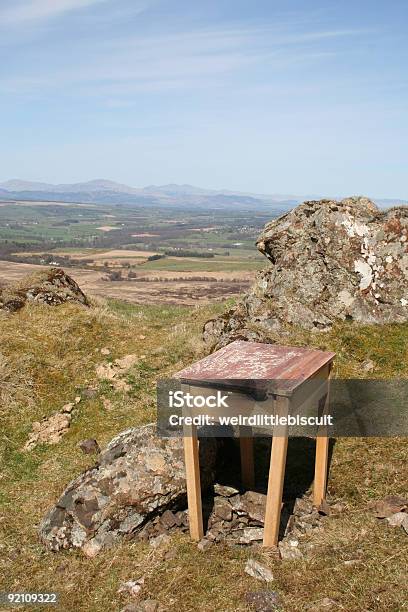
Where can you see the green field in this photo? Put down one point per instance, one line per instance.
(228, 237)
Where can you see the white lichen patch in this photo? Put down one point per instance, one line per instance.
(364, 268)
(355, 228)
(345, 297)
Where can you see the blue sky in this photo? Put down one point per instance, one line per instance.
(264, 96)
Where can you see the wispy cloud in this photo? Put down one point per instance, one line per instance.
(24, 11)
(198, 58)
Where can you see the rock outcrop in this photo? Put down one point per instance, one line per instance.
(329, 261)
(51, 286)
(138, 477)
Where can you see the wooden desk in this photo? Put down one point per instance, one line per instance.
(268, 370)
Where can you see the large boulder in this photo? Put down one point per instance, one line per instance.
(51, 286)
(138, 477)
(329, 261)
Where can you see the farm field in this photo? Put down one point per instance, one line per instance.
(141, 255)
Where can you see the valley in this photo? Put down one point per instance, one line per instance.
(138, 254)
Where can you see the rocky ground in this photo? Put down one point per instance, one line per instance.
(116, 536)
(137, 490)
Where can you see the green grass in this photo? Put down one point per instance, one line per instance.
(49, 356)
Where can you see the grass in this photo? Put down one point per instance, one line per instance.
(48, 356)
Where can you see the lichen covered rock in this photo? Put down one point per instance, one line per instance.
(139, 476)
(51, 286)
(329, 261)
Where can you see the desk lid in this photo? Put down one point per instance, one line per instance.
(253, 364)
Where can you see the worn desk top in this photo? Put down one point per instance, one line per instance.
(251, 365)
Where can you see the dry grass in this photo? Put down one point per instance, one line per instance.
(48, 355)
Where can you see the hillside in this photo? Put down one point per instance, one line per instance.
(48, 357)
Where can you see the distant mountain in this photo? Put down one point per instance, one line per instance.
(172, 189)
(105, 191)
(89, 186)
(17, 185)
(172, 194)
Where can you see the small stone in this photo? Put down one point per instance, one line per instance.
(131, 587)
(159, 540)
(290, 525)
(397, 519)
(367, 365)
(92, 548)
(105, 351)
(303, 505)
(222, 508)
(68, 408)
(258, 571)
(338, 508)
(182, 518)
(77, 399)
(251, 503)
(404, 524)
(252, 534)
(324, 508)
(168, 519)
(263, 601)
(224, 490)
(89, 446)
(289, 551)
(141, 337)
(204, 545)
(391, 504)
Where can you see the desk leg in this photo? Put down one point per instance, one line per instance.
(276, 479)
(195, 513)
(246, 445)
(322, 458)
